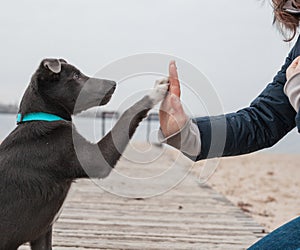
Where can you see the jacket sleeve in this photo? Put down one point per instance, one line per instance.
(298, 121)
(292, 90)
(269, 118)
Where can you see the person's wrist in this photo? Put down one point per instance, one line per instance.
(169, 131)
(176, 126)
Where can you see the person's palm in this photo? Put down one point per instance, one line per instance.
(171, 115)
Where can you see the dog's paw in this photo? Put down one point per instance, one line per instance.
(159, 91)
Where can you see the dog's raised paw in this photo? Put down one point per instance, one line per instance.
(159, 91)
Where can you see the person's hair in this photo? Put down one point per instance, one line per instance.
(286, 22)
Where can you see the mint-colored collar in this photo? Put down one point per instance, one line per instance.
(40, 116)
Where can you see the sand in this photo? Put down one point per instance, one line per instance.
(266, 186)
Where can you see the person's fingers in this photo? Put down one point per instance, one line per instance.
(295, 63)
(293, 68)
(174, 81)
(297, 59)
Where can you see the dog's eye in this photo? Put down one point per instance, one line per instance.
(76, 76)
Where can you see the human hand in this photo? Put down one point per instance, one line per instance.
(293, 69)
(171, 114)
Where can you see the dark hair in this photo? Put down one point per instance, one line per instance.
(286, 22)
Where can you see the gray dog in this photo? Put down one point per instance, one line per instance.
(38, 161)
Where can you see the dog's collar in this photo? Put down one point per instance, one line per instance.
(40, 116)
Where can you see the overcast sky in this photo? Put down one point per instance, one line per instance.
(232, 42)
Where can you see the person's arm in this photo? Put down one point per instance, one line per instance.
(292, 88)
(269, 117)
(261, 125)
(177, 129)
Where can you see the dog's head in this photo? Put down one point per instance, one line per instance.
(59, 84)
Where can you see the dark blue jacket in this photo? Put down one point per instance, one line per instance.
(269, 118)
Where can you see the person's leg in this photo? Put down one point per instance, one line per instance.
(286, 237)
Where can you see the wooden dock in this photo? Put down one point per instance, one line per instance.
(189, 216)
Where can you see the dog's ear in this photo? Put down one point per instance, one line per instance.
(52, 64)
(62, 60)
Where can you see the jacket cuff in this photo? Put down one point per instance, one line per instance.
(187, 140)
(292, 91)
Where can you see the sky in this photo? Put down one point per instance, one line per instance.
(232, 43)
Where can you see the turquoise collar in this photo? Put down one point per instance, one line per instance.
(40, 116)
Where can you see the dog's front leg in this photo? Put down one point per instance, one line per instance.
(44, 242)
(98, 160)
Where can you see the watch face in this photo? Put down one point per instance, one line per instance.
(291, 7)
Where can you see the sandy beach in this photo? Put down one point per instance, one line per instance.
(264, 185)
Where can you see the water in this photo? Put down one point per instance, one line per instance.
(92, 130)
(7, 124)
